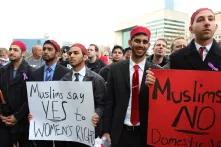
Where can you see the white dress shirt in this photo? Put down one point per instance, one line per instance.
(82, 74)
(131, 70)
(205, 52)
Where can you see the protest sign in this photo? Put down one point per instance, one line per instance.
(185, 109)
(61, 110)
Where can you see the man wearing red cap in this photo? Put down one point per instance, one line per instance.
(51, 71)
(125, 114)
(14, 124)
(203, 48)
(203, 52)
(77, 57)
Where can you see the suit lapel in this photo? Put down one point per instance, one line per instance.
(213, 55)
(19, 74)
(143, 86)
(192, 57)
(56, 72)
(126, 73)
(88, 76)
(41, 74)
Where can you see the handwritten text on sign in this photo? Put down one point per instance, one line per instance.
(61, 110)
(185, 109)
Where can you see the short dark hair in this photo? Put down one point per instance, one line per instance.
(117, 47)
(65, 49)
(127, 49)
(95, 46)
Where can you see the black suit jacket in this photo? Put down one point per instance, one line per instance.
(15, 93)
(189, 58)
(98, 85)
(60, 71)
(117, 100)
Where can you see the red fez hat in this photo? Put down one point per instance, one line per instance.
(197, 12)
(140, 30)
(54, 43)
(20, 44)
(82, 47)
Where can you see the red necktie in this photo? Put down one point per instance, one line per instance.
(201, 50)
(135, 95)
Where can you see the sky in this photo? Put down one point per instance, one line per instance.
(83, 21)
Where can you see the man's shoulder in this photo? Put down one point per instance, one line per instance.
(91, 73)
(62, 68)
(120, 63)
(179, 53)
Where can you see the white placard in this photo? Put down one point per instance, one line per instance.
(61, 110)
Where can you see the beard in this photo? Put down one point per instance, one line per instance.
(77, 63)
(47, 58)
(15, 59)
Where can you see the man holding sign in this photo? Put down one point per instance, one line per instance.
(125, 116)
(51, 71)
(77, 56)
(203, 53)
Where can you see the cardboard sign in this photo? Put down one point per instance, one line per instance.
(185, 109)
(61, 110)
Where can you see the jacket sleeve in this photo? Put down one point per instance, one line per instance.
(99, 92)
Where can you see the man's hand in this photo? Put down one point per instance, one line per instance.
(9, 120)
(29, 117)
(107, 136)
(95, 119)
(150, 78)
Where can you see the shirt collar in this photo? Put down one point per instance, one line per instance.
(208, 46)
(52, 66)
(82, 72)
(141, 64)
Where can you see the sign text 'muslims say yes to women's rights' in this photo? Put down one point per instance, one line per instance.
(61, 110)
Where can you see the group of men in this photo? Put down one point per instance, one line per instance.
(121, 102)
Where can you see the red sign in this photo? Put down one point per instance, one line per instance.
(185, 109)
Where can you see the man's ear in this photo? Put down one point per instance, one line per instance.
(130, 42)
(85, 57)
(23, 53)
(190, 29)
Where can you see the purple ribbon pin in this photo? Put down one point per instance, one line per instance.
(25, 77)
(212, 66)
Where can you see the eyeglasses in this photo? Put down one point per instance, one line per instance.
(138, 41)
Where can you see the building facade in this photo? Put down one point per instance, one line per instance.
(165, 23)
(217, 34)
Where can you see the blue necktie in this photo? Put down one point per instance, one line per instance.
(48, 76)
